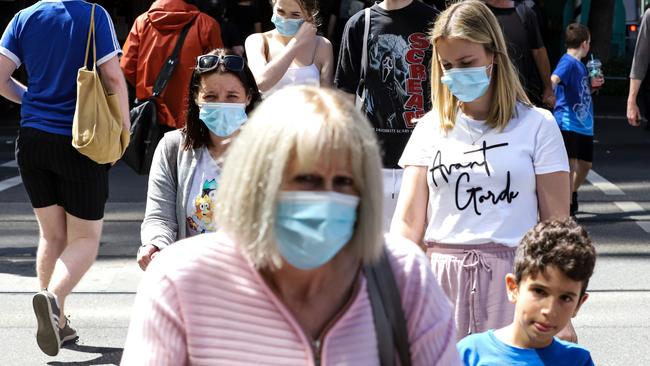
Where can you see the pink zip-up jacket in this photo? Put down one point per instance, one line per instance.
(201, 302)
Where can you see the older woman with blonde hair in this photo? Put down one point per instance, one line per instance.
(480, 169)
(286, 279)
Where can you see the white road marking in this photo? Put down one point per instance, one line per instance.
(611, 189)
(10, 164)
(630, 206)
(603, 184)
(11, 182)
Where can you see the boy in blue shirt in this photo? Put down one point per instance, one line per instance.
(574, 109)
(552, 268)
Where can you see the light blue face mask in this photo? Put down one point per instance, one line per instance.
(467, 84)
(286, 27)
(223, 119)
(312, 227)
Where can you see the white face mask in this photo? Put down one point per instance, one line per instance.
(467, 84)
(223, 119)
(312, 227)
(285, 26)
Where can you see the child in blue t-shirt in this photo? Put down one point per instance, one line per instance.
(552, 268)
(574, 109)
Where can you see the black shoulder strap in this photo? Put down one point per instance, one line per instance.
(383, 331)
(170, 65)
(390, 322)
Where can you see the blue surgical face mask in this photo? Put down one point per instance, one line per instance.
(223, 119)
(312, 227)
(467, 84)
(286, 27)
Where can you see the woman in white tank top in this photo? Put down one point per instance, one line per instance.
(292, 53)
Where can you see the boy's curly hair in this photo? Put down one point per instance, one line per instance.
(560, 243)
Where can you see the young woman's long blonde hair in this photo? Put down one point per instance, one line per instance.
(474, 22)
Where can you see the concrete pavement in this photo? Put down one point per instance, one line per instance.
(100, 306)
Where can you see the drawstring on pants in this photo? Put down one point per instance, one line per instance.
(477, 262)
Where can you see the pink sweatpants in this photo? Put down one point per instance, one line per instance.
(473, 276)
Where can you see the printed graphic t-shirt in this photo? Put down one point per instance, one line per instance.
(574, 109)
(486, 349)
(485, 191)
(202, 198)
(397, 74)
(50, 37)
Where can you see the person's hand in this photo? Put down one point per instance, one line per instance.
(146, 254)
(597, 82)
(633, 114)
(306, 34)
(568, 334)
(548, 97)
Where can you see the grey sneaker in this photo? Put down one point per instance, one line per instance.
(67, 334)
(47, 316)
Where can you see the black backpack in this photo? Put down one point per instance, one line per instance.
(145, 130)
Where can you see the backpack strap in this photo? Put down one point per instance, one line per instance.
(390, 322)
(364, 49)
(361, 94)
(170, 65)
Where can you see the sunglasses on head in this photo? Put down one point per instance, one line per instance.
(206, 63)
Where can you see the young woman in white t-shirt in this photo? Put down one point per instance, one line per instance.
(480, 169)
(292, 53)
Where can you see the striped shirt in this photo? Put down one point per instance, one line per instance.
(201, 302)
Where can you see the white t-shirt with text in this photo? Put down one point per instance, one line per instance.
(481, 182)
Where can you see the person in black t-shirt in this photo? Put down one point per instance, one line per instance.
(526, 49)
(396, 81)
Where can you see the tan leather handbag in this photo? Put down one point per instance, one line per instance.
(97, 130)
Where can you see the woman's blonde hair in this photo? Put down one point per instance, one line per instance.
(302, 125)
(474, 22)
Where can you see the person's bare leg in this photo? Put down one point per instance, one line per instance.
(581, 171)
(79, 254)
(51, 241)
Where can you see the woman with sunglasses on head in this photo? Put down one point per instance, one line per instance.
(480, 169)
(187, 162)
(292, 53)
